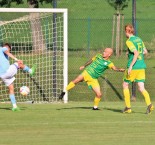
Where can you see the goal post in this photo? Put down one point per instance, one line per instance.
(37, 39)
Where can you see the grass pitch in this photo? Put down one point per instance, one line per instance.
(76, 124)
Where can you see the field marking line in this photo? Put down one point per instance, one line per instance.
(103, 122)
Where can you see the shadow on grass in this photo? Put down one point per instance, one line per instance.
(101, 109)
(5, 108)
(90, 108)
(120, 111)
(8, 108)
(114, 110)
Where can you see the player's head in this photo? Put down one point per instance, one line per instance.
(129, 30)
(7, 45)
(107, 53)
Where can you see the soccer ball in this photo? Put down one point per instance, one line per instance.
(24, 90)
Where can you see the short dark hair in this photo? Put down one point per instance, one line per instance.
(7, 44)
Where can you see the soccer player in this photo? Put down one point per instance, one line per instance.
(93, 69)
(135, 69)
(7, 71)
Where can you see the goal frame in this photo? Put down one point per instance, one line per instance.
(65, 35)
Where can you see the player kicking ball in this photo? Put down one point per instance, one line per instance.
(7, 72)
(93, 69)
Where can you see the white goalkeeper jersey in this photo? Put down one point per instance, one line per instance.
(4, 62)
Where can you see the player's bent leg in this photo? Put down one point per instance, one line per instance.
(26, 69)
(72, 85)
(62, 95)
(11, 72)
(33, 70)
(7, 82)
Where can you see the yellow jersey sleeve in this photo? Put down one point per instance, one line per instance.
(143, 45)
(110, 65)
(131, 46)
(93, 58)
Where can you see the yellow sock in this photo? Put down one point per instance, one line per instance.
(147, 97)
(96, 102)
(70, 86)
(127, 98)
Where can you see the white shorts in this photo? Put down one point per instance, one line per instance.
(8, 78)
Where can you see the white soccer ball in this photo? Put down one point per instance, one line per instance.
(24, 90)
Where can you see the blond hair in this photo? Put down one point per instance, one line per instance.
(129, 28)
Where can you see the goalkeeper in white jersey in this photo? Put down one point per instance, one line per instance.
(7, 71)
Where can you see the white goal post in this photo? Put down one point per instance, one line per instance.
(38, 37)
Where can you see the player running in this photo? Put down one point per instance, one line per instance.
(7, 71)
(93, 69)
(135, 69)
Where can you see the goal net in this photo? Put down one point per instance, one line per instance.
(38, 37)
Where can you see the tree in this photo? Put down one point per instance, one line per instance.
(7, 3)
(119, 6)
(35, 3)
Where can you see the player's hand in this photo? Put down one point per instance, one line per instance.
(121, 69)
(82, 67)
(129, 70)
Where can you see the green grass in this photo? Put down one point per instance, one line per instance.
(76, 123)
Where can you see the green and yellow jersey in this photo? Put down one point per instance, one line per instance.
(135, 43)
(98, 66)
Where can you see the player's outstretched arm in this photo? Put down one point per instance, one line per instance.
(86, 64)
(12, 56)
(82, 67)
(118, 69)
